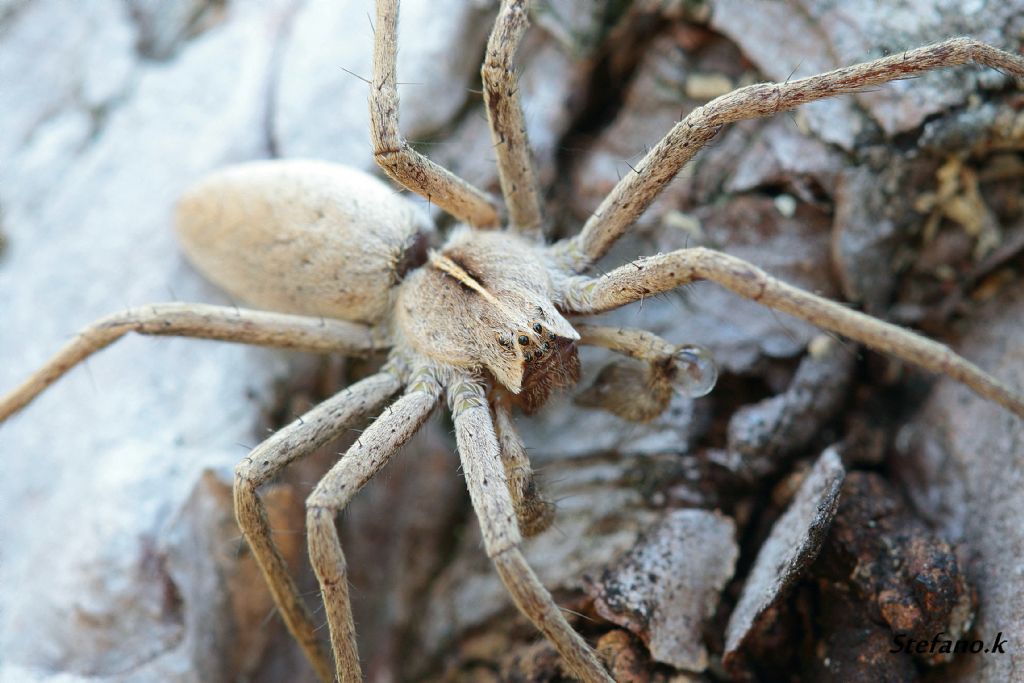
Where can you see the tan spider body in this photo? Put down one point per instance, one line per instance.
(303, 237)
(318, 239)
(483, 320)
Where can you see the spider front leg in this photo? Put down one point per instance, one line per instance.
(505, 117)
(663, 272)
(319, 426)
(634, 193)
(201, 321)
(364, 459)
(394, 154)
(480, 455)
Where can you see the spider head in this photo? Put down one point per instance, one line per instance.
(537, 358)
(484, 303)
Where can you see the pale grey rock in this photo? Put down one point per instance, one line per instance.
(97, 466)
(549, 76)
(320, 97)
(576, 25)
(162, 25)
(51, 68)
(98, 139)
(14, 673)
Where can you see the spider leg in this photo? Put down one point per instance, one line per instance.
(316, 428)
(639, 344)
(364, 459)
(394, 154)
(480, 454)
(635, 192)
(663, 272)
(505, 116)
(534, 513)
(202, 321)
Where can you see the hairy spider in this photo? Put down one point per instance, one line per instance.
(483, 320)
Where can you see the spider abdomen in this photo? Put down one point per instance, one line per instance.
(304, 237)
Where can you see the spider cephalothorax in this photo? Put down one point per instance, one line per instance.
(483, 321)
(490, 296)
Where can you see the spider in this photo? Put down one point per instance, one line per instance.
(483, 320)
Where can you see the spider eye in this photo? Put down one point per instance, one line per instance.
(537, 328)
(505, 340)
(524, 340)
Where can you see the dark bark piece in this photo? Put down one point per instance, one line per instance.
(903, 574)
(627, 662)
(854, 649)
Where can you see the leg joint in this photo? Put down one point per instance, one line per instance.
(385, 151)
(500, 554)
(319, 506)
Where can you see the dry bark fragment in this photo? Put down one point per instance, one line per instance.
(794, 38)
(792, 545)
(668, 585)
(765, 432)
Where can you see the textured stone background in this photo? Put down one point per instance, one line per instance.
(119, 559)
